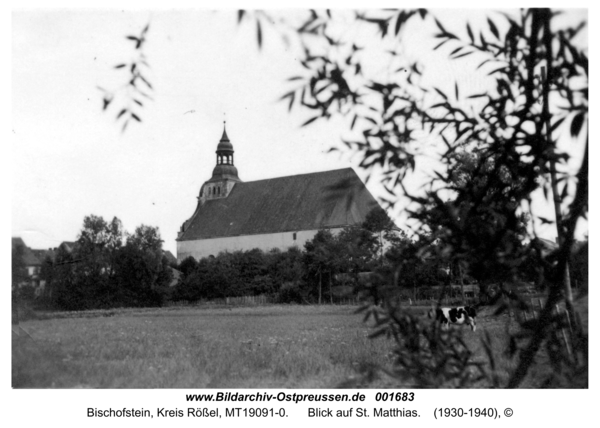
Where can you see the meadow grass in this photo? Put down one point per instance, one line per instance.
(243, 347)
(272, 346)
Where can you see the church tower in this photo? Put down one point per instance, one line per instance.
(224, 175)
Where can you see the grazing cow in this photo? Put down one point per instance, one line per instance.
(456, 315)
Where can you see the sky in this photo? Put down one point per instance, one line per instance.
(71, 159)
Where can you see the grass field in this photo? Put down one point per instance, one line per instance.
(273, 346)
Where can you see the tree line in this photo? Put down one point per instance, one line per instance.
(106, 267)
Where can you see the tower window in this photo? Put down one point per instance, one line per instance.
(218, 191)
(294, 234)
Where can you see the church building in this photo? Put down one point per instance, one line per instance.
(272, 213)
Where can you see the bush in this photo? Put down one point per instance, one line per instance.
(290, 292)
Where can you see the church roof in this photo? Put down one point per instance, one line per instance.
(298, 202)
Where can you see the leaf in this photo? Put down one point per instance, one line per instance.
(353, 122)
(136, 117)
(463, 54)
(441, 93)
(441, 44)
(310, 120)
(380, 332)
(565, 192)
(241, 14)
(121, 113)
(456, 50)
(483, 42)
(493, 28)
(577, 124)
(370, 120)
(497, 70)
(442, 29)
(483, 63)
(456, 90)
(287, 95)
(557, 123)
(145, 81)
(399, 21)
(470, 32)
(259, 33)
(120, 65)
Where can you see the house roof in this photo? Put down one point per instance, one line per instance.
(170, 257)
(68, 246)
(30, 257)
(299, 202)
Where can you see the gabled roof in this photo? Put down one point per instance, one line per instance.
(170, 257)
(30, 257)
(68, 246)
(298, 202)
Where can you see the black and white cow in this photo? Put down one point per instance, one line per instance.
(455, 315)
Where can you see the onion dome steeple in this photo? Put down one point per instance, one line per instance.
(224, 168)
(224, 175)
(224, 144)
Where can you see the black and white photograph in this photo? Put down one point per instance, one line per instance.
(299, 199)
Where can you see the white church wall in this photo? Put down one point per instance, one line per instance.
(207, 247)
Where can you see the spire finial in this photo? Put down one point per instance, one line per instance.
(224, 137)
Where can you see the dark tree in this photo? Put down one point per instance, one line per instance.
(474, 216)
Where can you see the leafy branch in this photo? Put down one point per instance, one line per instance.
(471, 216)
(137, 88)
